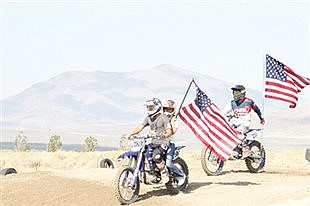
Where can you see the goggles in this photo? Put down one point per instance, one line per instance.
(150, 107)
(238, 92)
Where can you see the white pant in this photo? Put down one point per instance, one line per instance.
(239, 124)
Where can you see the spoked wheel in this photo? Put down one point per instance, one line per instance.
(172, 186)
(125, 188)
(255, 162)
(211, 164)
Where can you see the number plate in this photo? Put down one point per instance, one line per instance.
(254, 134)
(136, 145)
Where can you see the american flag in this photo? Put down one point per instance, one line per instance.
(208, 124)
(282, 83)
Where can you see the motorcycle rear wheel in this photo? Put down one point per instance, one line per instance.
(211, 164)
(124, 191)
(256, 161)
(172, 186)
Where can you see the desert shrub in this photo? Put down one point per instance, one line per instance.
(21, 144)
(91, 144)
(35, 164)
(54, 144)
(124, 143)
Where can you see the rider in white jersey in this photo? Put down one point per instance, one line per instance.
(240, 110)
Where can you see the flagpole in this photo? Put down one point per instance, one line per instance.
(263, 95)
(189, 86)
(264, 78)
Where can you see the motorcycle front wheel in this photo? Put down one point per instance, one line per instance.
(126, 189)
(255, 162)
(211, 164)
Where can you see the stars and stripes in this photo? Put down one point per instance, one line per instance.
(282, 83)
(208, 124)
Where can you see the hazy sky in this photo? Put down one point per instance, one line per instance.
(41, 39)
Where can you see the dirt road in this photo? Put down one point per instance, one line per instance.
(285, 181)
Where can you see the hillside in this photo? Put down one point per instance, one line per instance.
(106, 105)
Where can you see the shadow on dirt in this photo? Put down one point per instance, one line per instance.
(157, 191)
(192, 186)
(239, 183)
(239, 171)
(289, 172)
(162, 191)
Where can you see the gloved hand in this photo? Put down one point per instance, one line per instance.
(262, 121)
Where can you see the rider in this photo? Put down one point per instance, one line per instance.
(159, 127)
(240, 110)
(169, 111)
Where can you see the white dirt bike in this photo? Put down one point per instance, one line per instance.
(250, 150)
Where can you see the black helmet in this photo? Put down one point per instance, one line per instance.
(238, 87)
(238, 92)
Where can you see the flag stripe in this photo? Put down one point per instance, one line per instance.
(280, 93)
(293, 103)
(197, 130)
(213, 134)
(224, 123)
(222, 126)
(287, 86)
(210, 127)
(219, 135)
(282, 83)
(300, 81)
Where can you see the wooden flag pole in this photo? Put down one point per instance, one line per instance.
(189, 86)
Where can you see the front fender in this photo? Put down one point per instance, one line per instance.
(129, 154)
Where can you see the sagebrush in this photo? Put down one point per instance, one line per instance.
(54, 144)
(21, 144)
(91, 144)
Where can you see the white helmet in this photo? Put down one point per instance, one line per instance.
(153, 106)
(169, 107)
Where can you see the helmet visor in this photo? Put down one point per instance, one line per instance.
(150, 107)
(237, 92)
(238, 95)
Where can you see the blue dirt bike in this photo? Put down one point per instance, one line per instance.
(129, 177)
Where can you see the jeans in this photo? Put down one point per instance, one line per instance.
(169, 163)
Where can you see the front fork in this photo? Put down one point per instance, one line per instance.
(139, 166)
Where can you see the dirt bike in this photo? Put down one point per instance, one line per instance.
(128, 178)
(250, 149)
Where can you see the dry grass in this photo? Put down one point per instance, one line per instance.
(61, 160)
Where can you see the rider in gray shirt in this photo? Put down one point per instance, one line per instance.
(159, 128)
(156, 120)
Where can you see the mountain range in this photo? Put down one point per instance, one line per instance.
(76, 97)
(81, 101)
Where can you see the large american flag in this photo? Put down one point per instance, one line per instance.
(282, 83)
(208, 124)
